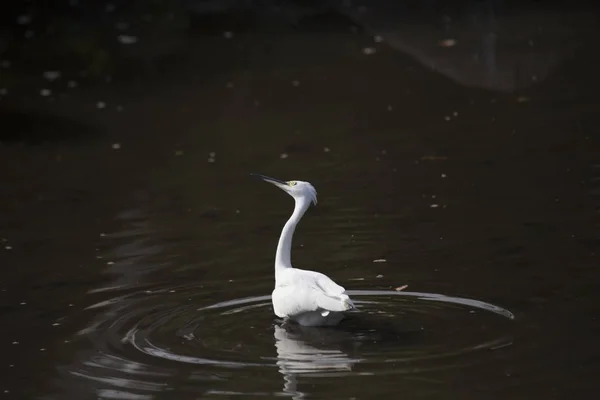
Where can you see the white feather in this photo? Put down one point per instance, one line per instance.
(308, 297)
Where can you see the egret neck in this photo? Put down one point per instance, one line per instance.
(284, 247)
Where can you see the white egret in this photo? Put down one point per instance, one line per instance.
(310, 298)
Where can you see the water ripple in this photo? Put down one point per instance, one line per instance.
(151, 337)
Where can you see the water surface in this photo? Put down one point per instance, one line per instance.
(137, 251)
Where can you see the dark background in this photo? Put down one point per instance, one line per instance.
(458, 141)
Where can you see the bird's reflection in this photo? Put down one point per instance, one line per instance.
(309, 351)
(313, 352)
(333, 351)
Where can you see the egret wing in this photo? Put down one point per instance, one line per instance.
(293, 300)
(331, 296)
(334, 291)
(303, 291)
(331, 303)
(328, 286)
(290, 300)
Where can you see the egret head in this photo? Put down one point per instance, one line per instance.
(299, 190)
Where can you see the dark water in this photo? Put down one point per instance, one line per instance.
(137, 251)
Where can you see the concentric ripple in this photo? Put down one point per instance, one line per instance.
(143, 338)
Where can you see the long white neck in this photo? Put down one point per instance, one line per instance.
(284, 247)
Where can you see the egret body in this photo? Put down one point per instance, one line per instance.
(307, 297)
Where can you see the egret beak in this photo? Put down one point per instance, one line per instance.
(279, 183)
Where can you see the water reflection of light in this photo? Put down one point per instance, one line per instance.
(298, 356)
(129, 253)
(113, 377)
(130, 259)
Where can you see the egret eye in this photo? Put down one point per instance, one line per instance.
(292, 183)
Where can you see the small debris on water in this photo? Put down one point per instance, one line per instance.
(326, 149)
(447, 43)
(101, 105)
(24, 19)
(434, 205)
(380, 260)
(378, 39)
(379, 276)
(400, 288)
(444, 175)
(369, 50)
(127, 39)
(356, 279)
(283, 156)
(51, 75)
(116, 146)
(45, 92)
